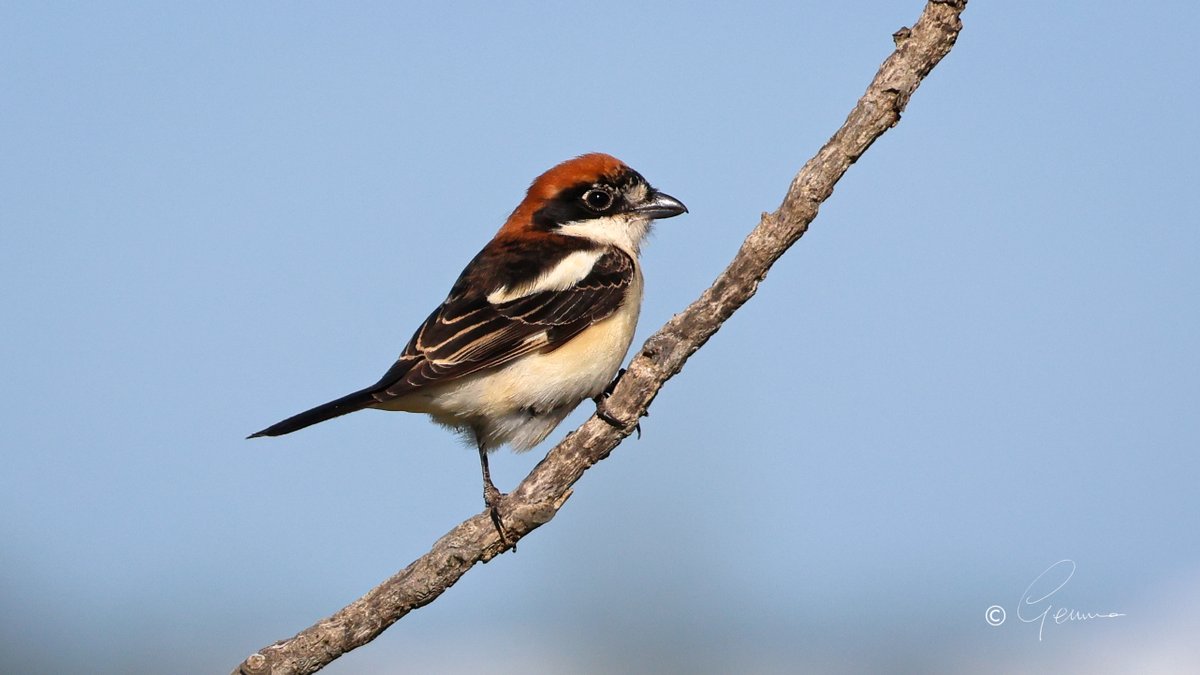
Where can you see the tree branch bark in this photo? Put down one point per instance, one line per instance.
(543, 492)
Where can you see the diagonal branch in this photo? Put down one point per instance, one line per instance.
(538, 498)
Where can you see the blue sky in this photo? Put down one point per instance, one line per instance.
(980, 361)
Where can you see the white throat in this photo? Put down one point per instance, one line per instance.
(625, 231)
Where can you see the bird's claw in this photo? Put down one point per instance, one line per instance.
(603, 414)
(492, 497)
(614, 422)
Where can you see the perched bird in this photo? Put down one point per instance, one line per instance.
(539, 320)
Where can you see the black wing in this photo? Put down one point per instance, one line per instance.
(468, 334)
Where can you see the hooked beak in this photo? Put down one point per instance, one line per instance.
(660, 205)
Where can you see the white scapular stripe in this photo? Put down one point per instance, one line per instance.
(568, 272)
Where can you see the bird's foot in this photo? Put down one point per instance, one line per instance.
(608, 391)
(602, 412)
(492, 497)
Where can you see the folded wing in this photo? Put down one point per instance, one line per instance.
(468, 333)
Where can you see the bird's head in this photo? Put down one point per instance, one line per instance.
(595, 196)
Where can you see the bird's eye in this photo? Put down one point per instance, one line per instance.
(597, 200)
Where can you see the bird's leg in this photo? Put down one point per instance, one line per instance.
(491, 497)
(603, 414)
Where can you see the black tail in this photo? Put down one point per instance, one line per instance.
(344, 405)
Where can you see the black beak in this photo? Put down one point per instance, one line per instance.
(661, 205)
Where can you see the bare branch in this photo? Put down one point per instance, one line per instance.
(538, 498)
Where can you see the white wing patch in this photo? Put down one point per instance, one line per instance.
(568, 272)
